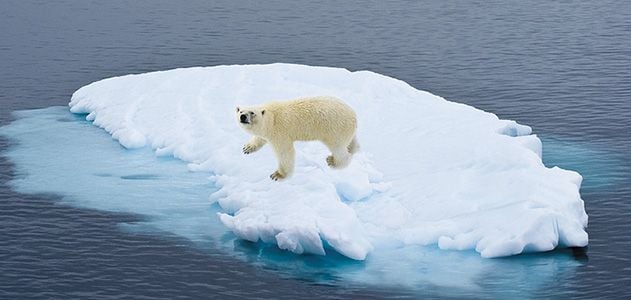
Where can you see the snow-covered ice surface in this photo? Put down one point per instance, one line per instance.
(430, 171)
(57, 152)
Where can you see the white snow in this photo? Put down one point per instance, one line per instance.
(430, 171)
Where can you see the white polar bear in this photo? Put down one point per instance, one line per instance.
(324, 119)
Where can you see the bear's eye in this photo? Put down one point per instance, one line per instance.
(262, 112)
(238, 109)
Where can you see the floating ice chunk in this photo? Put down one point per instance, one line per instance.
(90, 171)
(430, 171)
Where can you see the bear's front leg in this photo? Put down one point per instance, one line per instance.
(254, 144)
(285, 155)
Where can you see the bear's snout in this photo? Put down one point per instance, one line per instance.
(244, 119)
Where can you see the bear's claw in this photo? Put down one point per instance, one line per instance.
(276, 176)
(330, 161)
(247, 149)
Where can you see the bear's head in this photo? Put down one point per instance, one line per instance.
(251, 119)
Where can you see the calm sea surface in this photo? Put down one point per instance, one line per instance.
(562, 67)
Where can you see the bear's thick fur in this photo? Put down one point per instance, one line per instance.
(280, 124)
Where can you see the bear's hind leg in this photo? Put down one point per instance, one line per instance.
(339, 158)
(353, 147)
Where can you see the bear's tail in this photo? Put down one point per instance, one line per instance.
(353, 146)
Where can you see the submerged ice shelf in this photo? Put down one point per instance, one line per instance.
(430, 171)
(89, 170)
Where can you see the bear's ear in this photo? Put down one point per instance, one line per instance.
(262, 112)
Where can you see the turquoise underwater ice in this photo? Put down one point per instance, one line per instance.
(57, 152)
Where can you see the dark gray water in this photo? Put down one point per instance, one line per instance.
(561, 67)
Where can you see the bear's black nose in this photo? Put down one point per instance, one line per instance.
(244, 119)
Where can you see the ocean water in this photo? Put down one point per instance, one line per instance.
(559, 67)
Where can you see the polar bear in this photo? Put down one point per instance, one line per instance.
(280, 124)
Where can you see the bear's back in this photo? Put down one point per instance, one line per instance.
(314, 118)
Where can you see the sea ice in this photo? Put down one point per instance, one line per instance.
(430, 171)
(56, 152)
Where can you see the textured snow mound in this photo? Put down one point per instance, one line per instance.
(430, 171)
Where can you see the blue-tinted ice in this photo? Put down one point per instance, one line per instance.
(57, 152)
